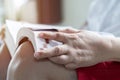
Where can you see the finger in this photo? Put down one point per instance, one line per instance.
(55, 51)
(62, 59)
(69, 30)
(58, 36)
(71, 66)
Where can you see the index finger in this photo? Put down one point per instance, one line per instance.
(68, 30)
(58, 36)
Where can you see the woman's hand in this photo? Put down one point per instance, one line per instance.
(80, 48)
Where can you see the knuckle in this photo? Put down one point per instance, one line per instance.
(61, 36)
(78, 58)
(58, 35)
(73, 37)
(81, 35)
(63, 59)
(80, 53)
(68, 29)
(57, 50)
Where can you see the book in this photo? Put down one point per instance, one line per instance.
(18, 32)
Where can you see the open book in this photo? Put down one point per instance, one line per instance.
(19, 31)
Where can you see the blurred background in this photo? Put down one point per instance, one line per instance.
(55, 12)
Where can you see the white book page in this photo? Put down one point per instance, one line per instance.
(38, 43)
(13, 28)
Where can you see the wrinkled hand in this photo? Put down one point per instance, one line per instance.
(80, 49)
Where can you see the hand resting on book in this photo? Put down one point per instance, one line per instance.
(81, 48)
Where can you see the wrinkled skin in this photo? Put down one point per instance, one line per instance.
(81, 48)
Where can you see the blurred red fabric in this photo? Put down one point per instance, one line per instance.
(101, 71)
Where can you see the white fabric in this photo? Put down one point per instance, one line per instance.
(104, 16)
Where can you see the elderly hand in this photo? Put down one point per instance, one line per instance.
(80, 48)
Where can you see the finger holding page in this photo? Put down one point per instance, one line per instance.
(58, 36)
